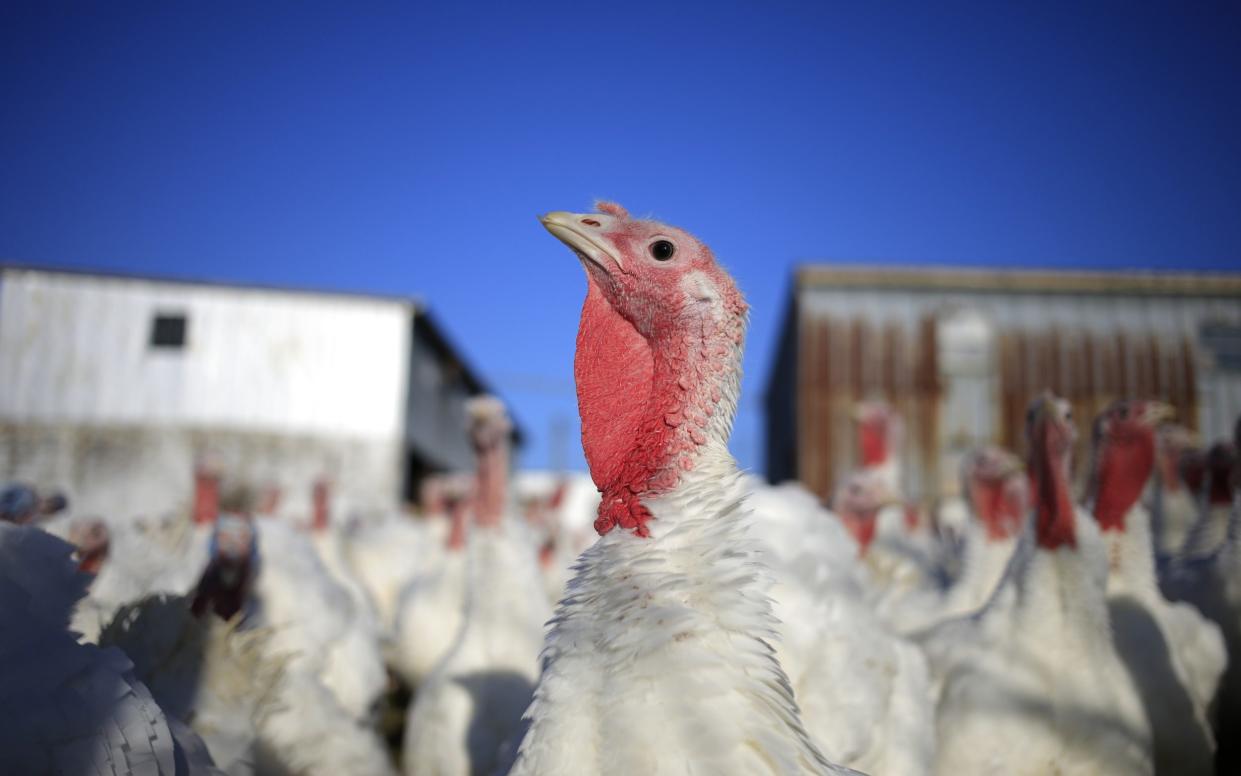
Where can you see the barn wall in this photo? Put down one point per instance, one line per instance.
(436, 419)
(781, 401)
(960, 367)
(76, 349)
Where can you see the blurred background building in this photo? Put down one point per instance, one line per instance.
(119, 388)
(959, 353)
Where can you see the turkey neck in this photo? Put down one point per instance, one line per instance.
(654, 408)
(493, 463)
(1049, 485)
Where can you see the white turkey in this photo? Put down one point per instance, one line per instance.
(1173, 504)
(1212, 583)
(471, 704)
(219, 679)
(1031, 684)
(863, 692)
(386, 553)
(1210, 531)
(896, 542)
(65, 707)
(659, 659)
(1175, 656)
(996, 489)
(429, 609)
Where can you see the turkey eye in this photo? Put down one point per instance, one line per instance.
(662, 250)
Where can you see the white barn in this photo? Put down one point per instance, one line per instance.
(116, 389)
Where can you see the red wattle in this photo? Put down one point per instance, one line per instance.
(862, 526)
(1055, 517)
(989, 503)
(612, 369)
(874, 445)
(1125, 465)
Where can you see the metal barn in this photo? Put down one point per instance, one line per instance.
(960, 352)
(118, 388)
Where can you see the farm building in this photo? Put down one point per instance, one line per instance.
(118, 389)
(960, 352)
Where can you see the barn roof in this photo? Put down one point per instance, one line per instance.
(1025, 281)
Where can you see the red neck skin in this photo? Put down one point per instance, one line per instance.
(91, 562)
(321, 500)
(862, 524)
(648, 407)
(1126, 460)
(873, 439)
(547, 554)
(913, 517)
(270, 501)
(456, 534)
(994, 508)
(206, 498)
(1055, 525)
(492, 485)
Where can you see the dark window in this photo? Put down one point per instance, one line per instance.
(168, 331)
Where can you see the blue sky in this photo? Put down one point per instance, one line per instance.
(406, 149)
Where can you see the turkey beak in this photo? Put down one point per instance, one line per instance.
(1157, 412)
(584, 234)
(1012, 465)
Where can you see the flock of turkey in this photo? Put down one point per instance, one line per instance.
(716, 625)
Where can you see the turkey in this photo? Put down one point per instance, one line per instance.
(472, 703)
(224, 589)
(659, 658)
(1173, 505)
(131, 560)
(561, 508)
(1031, 684)
(21, 503)
(385, 554)
(995, 484)
(203, 670)
(137, 557)
(333, 670)
(896, 542)
(356, 671)
(429, 608)
(1211, 529)
(863, 692)
(1175, 655)
(1212, 583)
(71, 708)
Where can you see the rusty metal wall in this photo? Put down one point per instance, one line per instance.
(844, 361)
(858, 343)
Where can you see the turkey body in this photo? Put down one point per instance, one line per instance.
(333, 671)
(471, 704)
(1174, 655)
(863, 691)
(667, 641)
(71, 708)
(203, 670)
(1031, 684)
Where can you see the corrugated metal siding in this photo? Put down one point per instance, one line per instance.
(844, 361)
(75, 349)
(902, 344)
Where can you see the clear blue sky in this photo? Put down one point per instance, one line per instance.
(407, 150)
